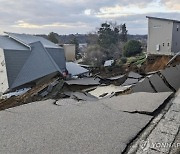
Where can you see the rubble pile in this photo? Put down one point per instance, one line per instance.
(77, 115)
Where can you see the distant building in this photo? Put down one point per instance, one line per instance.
(70, 53)
(163, 36)
(108, 63)
(27, 58)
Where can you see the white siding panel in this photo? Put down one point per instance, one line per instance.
(3, 73)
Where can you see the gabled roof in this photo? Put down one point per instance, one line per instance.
(39, 64)
(28, 39)
(10, 44)
(177, 21)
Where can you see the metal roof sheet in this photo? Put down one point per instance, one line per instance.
(10, 44)
(75, 69)
(39, 64)
(28, 39)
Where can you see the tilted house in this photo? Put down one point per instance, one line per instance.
(26, 58)
(163, 36)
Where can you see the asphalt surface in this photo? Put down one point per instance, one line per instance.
(44, 128)
(141, 102)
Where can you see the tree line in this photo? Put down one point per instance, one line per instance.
(110, 41)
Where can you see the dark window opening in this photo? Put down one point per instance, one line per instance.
(163, 44)
(168, 44)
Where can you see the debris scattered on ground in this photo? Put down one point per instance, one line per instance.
(16, 93)
(75, 69)
(110, 90)
(116, 80)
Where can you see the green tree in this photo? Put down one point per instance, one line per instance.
(107, 35)
(123, 33)
(132, 48)
(52, 37)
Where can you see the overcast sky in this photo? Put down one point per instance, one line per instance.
(81, 16)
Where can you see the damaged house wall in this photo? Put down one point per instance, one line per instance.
(28, 58)
(3, 73)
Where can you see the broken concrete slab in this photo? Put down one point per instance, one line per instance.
(134, 75)
(172, 75)
(130, 81)
(143, 86)
(83, 96)
(75, 69)
(83, 81)
(43, 127)
(137, 102)
(117, 80)
(158, 83)
(108, 90)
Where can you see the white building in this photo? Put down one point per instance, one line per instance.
(163, 36)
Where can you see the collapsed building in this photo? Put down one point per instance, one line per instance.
(26, 58)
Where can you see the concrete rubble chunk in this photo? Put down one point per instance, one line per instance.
(75, 69)
(84, 81)
(143, 86)
(130, 81)
(43, 127)
(108, 90)
(158, 83)
(83, 96)
(134, 75)
(116, 80)
(172, 75)
(140, 102)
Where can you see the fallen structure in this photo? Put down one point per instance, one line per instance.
(76, 70)
(26, 59)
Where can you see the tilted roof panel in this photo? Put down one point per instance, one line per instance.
(10, 44)
(28, 39)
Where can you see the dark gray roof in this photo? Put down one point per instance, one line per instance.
(39, 64)
(75, 69)
(10, 44)
(28, 39)
(163, 19)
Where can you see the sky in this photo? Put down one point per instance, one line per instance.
(81, 16)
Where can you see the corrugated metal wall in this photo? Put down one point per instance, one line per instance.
(15, 60)
(58, 56)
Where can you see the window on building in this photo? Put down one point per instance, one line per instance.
(163, 44)
(168, 44)
(177, 27)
